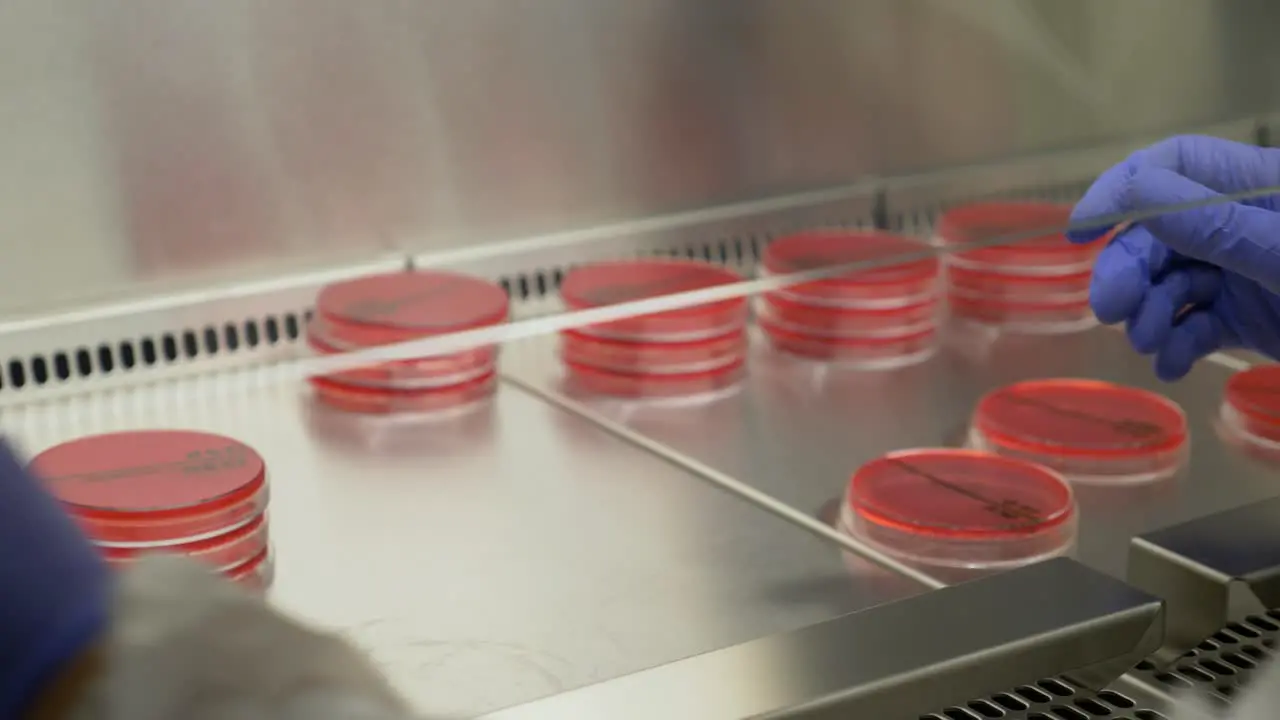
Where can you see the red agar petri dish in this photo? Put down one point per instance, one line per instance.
(1088, 430)
(657, 358)
(1014, 287)
(1251, 408)
(610, 283)
(888, 284)
(845, 322)
(381, 401)
(654, 385)
(403, 306)
(219, 552)
(960, 508)
(255, 574)
(1047, 253)
(437, 371)
(156, 487)
(867, 353)
(1022, 316)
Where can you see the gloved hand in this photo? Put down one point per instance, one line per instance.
(1189, 282)
(54, 588)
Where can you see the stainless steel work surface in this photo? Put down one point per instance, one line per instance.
(499, 556)
(797, 430)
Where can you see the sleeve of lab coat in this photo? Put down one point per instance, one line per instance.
(186, 645)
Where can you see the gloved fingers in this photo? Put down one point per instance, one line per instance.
(1108, 196)
(1123, 273)
(1196, 334)
(1151, 325)
(1236, 237)
(1220, 165)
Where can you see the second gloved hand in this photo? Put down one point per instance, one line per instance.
(1190, 282)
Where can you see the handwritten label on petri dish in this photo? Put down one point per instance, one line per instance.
(196, 462)
(382, 309)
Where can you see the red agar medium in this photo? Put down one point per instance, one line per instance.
(841, 322)
(1088, 430)
(1251, 406)
(656, 358)
(1049, 252)
(385, 401)
(1013, 287)
(888, 283)
(1022, 315)
(960, 508)
(156, 486)
(397, 307)
(219, 552)
(870, 353)
(436, 371)
(612, 283)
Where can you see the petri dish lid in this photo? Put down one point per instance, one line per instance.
(380, 309)
(818, 249)
(610, 283)
(960, 495)
(988, 221)
(155, 485)
(1074, 418)
(1255, 393)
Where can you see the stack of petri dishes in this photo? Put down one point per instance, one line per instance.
(1038, 284)
(401, 307)
(676, 353)
(1250, 415)
(167, 491)
(951, 508)
(882, 317)
(1088, 430)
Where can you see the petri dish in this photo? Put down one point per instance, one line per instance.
(610, 283)
(889, 284)
(864, 353)
(785, 312)
(1088, 430)
(1251, 408)
(1016, 287)
(594, 381)
(398, 307)
(256, 573)
(649, 357)
(1046, 318)
(151, 488)
(437, 371)
(960, 509)
(1049, 253)
(387, 401)
(220, 552)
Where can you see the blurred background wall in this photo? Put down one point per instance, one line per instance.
(156, 141)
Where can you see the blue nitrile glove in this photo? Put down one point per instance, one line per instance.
(54, 588)
(1190, 282)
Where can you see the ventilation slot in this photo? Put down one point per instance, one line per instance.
(1224, 662)
(1049, 699)
(149, 351)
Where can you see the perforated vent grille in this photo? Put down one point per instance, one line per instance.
(151, 351)
(1224, 662)
(1051, 699)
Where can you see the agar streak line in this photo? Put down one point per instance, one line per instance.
(1134, 428)
(1008, 509)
